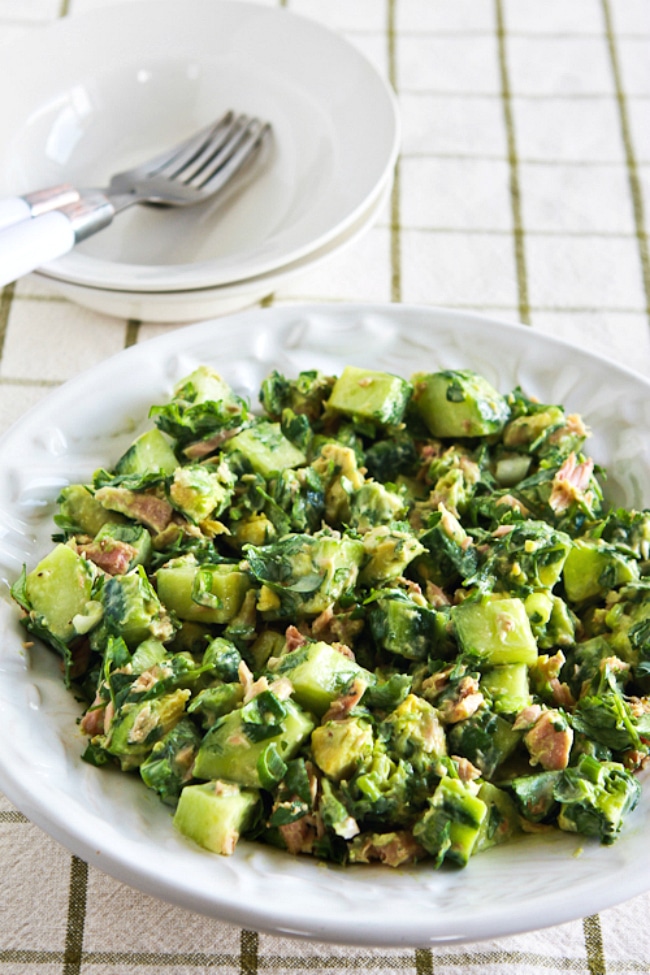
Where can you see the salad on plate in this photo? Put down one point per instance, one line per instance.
(377, 620)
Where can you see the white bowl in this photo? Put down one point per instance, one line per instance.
(102, 91)
(116, 824)
(200, 303)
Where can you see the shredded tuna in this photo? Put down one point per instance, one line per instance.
(294, 638)
(341, 707)
(549, 741)
(562, 695)
(92, 722)
(436, 596)
(466, 771)
(148, 509)
(344, 649)
(300, 835)
(201, 448)
(527, 717)
(111, 555)
(391, 849)
(570, 483)
(466, 702)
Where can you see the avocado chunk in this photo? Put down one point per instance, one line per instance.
(137, 726)
(496, 630)
(57, 591)
(388, 551)
(133, 610)
(151, 451)
(266, 448)
(459, 403)
(370, 395)
(200, 491)
(201, 593)
(215, 814)
(341, 748)
(306, 573)
(237, 742)
(485, 738)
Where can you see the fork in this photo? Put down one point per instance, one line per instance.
(190, 173)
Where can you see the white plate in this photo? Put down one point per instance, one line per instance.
(102, 91)
(119, 826)
(201, 303)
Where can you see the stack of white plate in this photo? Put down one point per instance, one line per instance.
(100, 92)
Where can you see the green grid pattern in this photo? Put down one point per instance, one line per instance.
(494, 256)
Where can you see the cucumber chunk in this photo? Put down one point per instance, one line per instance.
(215, 814)
(57, 590)
(151, 451)
(369, 395)
(232, 749)
(266, 449)
(496, 630)
(459, 403)
(201, 593)
(319, 674)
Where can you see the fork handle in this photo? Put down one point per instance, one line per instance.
(18, 208)
(32, 243)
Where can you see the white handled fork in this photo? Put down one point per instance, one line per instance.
(187, 174)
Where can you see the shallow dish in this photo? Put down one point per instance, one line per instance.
(200, 303)
(100, 92)
(114, 822)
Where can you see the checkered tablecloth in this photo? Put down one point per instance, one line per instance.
(522, 190)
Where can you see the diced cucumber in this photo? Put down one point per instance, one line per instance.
(58, 589)
(215, 814)
(369, 395)
(318, 673)
(204, 385)
(201, 593)
(450, 828)
(80, 512)
(508, 687)
(151, 451)
(496, 630)
(502, 820)
(593, 567)
(231, 749)
(402, 626)
(459, 403)
(149, 653)
(266, 448)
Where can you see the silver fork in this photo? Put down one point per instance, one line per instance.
(190, 173)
